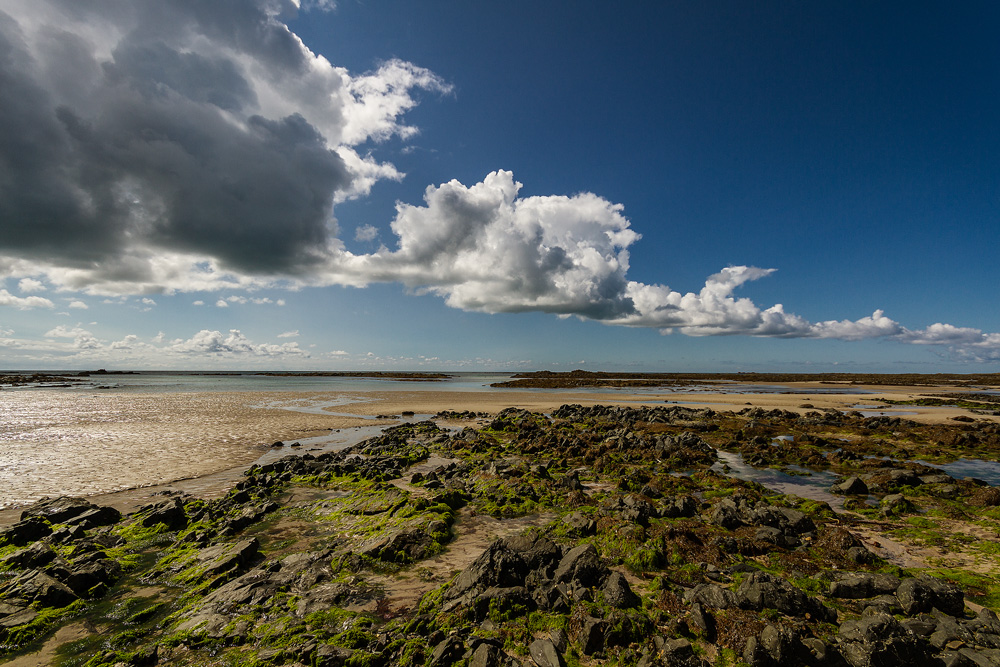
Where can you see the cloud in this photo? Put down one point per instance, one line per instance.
(24, 303)
(28, 285)
(482, 248)
(157, 143)
(366, 233)
(80, 305)
(155, 146)
(289, 334)
(233, 344)
(76, 345)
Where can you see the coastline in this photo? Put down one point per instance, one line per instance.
(645, 518)
(314, 414)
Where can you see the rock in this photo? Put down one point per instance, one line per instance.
(169, 512)
(726, 515)
(328, 655)
(487, 655)
(36, 556)
(861, 555)
(544, 653)
(540, 554)
(25, 532)
(924, 593)
(41, 588)
(447, 652)
(559, 639)
(761, 590)
(896, 503)
(71, 511)
(988, 497)
(503, 564)
(676, 508)
(713, 595)
(12, 617)
(617, 593)
(505, 603)
(852, 486)
(879, 640)
(580, 523)
(857, 585)
(703, 621)
(399, 546)
(589, 634)
(222, 558)
(581, 566)
(88, 578)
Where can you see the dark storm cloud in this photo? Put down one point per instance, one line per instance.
(207, 128)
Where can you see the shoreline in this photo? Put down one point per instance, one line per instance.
(372, 554)
(374, 410)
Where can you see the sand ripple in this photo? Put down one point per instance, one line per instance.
(75, 442)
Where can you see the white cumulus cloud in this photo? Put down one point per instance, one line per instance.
(24, 303)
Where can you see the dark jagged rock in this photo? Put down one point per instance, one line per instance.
(36, 556)
(922, 594)
(879, 640)
(25, 532)
(38, 587)
(543, 652)
(761, 590)
(617, 592)
(858, 585)
(71, 511)
(169, 512)
(581, 566)
(852, 486)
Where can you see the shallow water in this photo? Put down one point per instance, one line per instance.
(814, 486)
(74, 442)
(988, 471)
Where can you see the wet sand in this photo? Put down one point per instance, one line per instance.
(124, 450)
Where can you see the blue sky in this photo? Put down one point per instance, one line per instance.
(527, 185)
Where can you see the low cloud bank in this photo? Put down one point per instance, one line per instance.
(155, 146)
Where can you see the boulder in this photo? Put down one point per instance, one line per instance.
(857, 585)
(581, 566)
(761, 590)
(39, 587)
(36, 556)
(617, 593)
(25, 532)
(399, 546)
(879, 640)
(852, 486)
(487, 655)
(169, 512)
(447, 652)
(924, 593)
(229, 557)
(543, 652)
(988, 497)
(676, 508)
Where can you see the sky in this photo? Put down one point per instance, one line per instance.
(445, 185)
